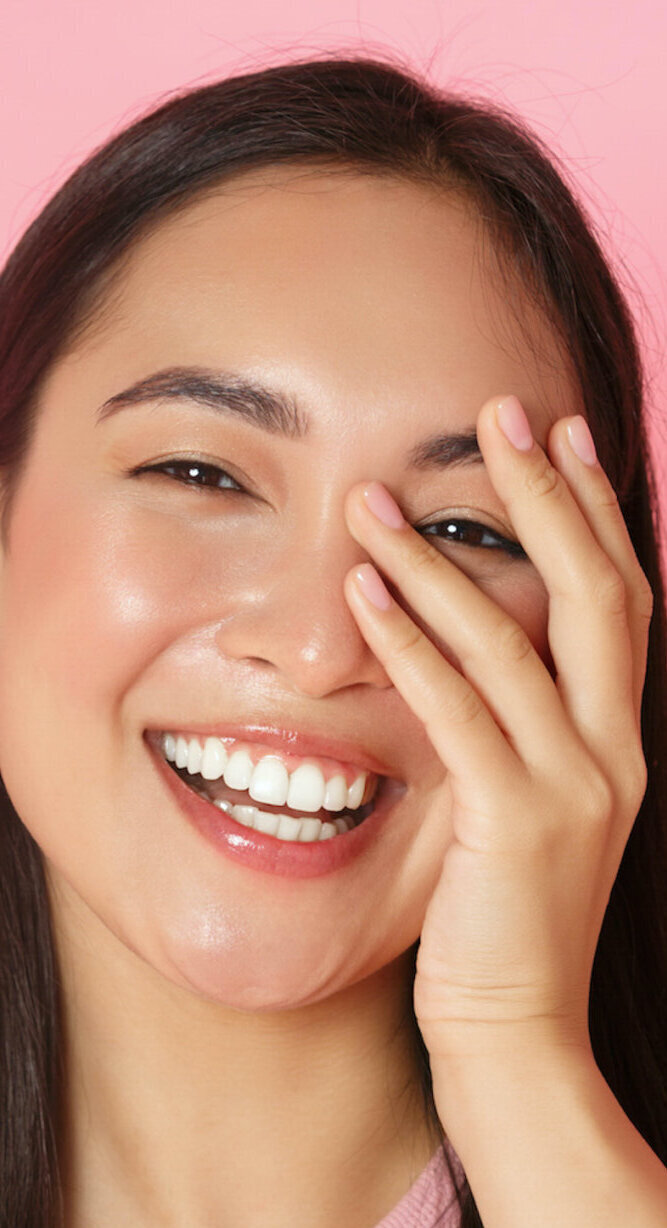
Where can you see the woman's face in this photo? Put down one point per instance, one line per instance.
(132, 602)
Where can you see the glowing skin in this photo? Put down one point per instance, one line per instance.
(129, 602)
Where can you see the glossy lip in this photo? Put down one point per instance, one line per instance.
(306, 745)
(257, 851)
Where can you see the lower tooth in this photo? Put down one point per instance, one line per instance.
(310, 830)
(246, 815)
(284, 826)
(288, 828)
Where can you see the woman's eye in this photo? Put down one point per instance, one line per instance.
(472, 533)
(204, 476)
(195, 473)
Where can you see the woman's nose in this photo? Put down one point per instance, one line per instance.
(296, 621)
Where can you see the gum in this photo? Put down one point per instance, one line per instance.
(328, 767)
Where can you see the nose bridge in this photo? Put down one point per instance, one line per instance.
(298, 622)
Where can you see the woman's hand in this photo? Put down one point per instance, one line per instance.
(545, 774)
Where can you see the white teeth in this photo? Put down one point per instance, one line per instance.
(285, 826)
(213, 759)
(181, 753)
(245, 814)
(356, 791)
(306, 788)
(238, 770)
(335, 794)
(310, 829)
(288, 828)
(263, 820)
(194, 756)
(269, 781)
(223, 805)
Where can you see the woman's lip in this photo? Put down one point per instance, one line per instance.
(258, 851)
(299, 742)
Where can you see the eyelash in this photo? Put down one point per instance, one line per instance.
(441, 528)
(202, 466)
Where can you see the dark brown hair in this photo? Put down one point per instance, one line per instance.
(379, 119)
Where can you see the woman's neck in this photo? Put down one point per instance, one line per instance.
(180, 1110)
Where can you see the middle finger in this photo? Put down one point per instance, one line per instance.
(589, 629)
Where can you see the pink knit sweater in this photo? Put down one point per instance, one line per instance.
(431, 1195)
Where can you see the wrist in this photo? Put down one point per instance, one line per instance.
(542, 1138)
(485, 1067)
(473, 1043)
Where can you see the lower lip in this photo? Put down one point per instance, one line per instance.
(286, 858)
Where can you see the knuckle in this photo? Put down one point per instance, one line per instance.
(542, 478)
(643, 598)
(635, 781)
(595, 800)
(424, 558)
(462, 706)
(604, 497)
(609, 592)
(408, 645)
(510, 642)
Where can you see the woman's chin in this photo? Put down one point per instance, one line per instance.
(234, 967)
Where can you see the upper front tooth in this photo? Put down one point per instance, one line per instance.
(306, 788)
(269, 781)
(194, 756)
(213, 759)
(356, 791)
(335, 794)
(238, 770)
(181, 753)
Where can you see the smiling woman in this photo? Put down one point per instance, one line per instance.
(330, 714)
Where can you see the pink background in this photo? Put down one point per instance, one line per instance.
(588, 74)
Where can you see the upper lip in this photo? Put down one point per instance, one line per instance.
(298, 741)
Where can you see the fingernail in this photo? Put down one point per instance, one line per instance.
(371, 585)
(581, 440)
(383, 506)
(514, 424)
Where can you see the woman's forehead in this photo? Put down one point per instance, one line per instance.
(379, 290)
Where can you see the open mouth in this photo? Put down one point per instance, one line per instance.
(274, 794)
(227, 799)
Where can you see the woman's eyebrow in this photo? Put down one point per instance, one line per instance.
(271, 410)
(218, 390)
(442, 450)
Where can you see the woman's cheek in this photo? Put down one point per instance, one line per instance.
(93, 593)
